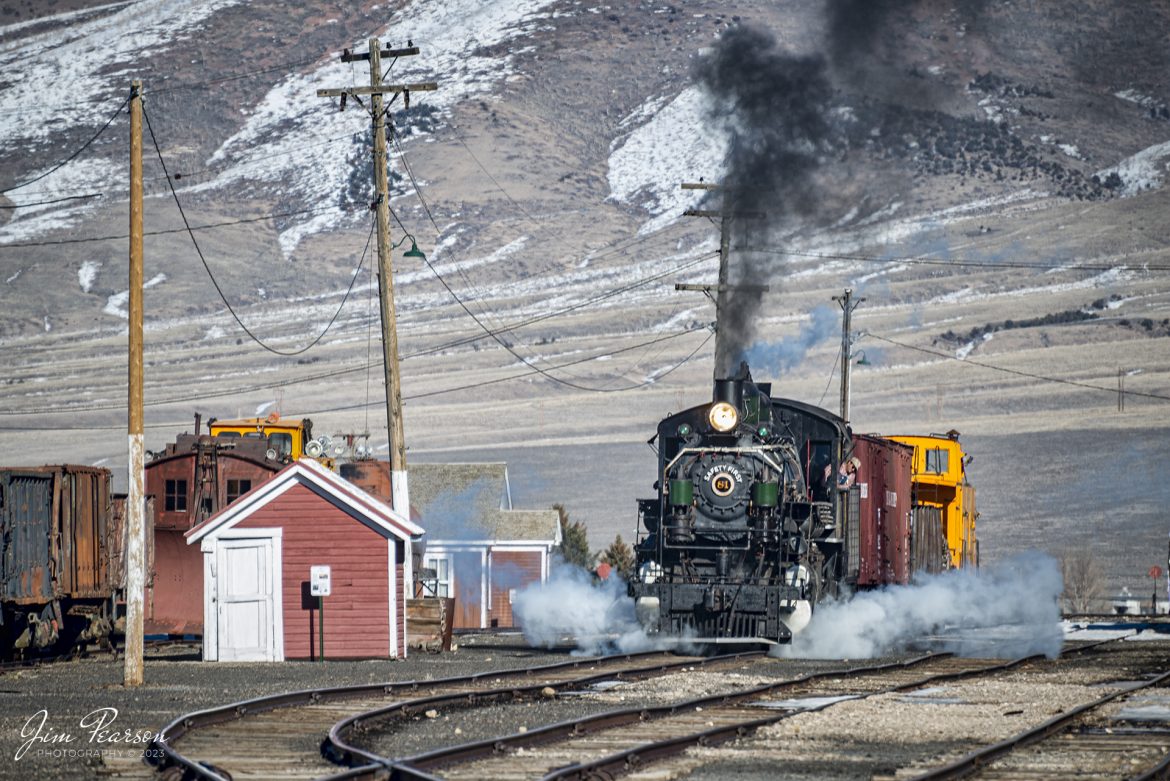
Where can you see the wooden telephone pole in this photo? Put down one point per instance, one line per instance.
(136, 465)
(722, 288)
(399, 490)
(848, 304)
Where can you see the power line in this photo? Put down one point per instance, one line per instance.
(76, 152)
(564, 310)
(948, 262)
(215, 283)
(232, 165)
(184, 229)
(51, 201)
(494, 335)
(1016, 372)
(361, 368)
(349, 407)
(650, 343)
(192, 85)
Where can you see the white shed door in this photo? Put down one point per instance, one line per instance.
(246, 584)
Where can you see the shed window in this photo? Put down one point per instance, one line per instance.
(936, 461)
(237, 488)
(175, 500)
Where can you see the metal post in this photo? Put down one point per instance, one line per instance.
(399, 491)
(321, 628)
(135, 521)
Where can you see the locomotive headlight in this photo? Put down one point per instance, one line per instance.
(722, 416)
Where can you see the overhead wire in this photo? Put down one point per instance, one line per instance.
(1017, 372)
(832, 373)
(340, 372)
(215, 283)
(494, 335)
(51, 201)
(929, 261)
(567, 309)
(75, 152)
(471, 386)
(184, 229)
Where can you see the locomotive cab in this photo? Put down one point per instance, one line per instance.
(733, 547)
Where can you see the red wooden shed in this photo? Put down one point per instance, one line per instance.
(257, 555)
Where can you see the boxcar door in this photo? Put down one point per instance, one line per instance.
(245, 586)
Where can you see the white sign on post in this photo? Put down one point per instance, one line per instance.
(319, 583)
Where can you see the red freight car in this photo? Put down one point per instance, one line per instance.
(895, 538)
(883, 492)
(191, 480)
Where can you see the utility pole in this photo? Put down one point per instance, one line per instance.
(136, 465)
(848, 304)
(399, 490)
(722, 359)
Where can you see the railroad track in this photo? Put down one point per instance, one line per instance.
(623, 741)
(281, 736)
(1095, 740)
(616, 742)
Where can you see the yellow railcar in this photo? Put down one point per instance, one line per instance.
(287, 439)
(939, 480)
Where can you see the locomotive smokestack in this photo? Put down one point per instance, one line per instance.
(730, 389)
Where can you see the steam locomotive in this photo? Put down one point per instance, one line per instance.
(761, 512)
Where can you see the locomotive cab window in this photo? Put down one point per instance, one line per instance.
(281, 443)
(936, 461)
(175, 500)
(820, 469)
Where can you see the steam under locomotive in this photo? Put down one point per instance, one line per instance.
(742, 538)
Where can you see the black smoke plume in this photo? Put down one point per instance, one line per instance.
(774, 106)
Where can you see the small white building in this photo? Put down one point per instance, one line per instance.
(481, 549)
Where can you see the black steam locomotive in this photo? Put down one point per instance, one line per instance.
(742, 538)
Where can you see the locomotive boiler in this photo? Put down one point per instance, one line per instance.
(741, 539)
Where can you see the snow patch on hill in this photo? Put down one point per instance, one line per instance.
(117, 303)
(461, 44)
(91, 56)
(87, 274)
(670, 146)
(1143, 171)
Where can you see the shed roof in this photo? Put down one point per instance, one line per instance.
(484, 485)
(466, 502)
(306, 471)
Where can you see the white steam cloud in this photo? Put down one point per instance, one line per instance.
(1007, 610)
(599, 617)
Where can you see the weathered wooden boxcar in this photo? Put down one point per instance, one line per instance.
(61, 549)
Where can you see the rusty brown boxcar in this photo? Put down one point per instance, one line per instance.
(60, 549)
(884, 502)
